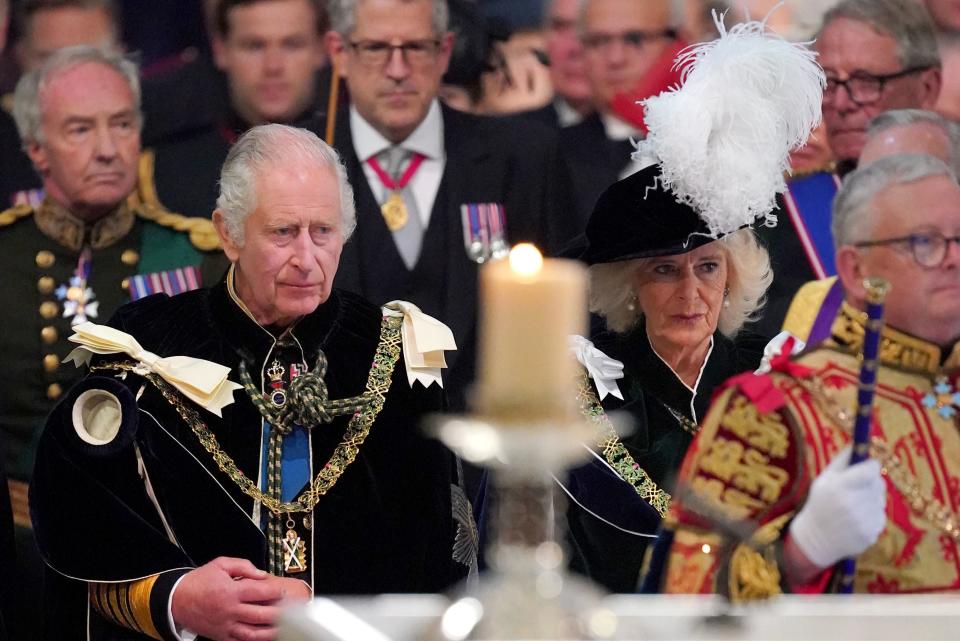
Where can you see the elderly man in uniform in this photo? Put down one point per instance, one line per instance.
(878, 55)
(774, 450)
(93, 241)
(203, 504)
(43, 26)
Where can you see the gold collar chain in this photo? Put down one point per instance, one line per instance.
(922, 504)
(378, 384)
(614, 451)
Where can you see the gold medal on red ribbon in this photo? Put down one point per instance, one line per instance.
(395, 212)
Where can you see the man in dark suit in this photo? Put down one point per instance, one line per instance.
(623, 42)
(571, 87)
(878, 55)
(271, 57)
(437, 191)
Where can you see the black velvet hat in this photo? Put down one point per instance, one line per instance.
(637, 218)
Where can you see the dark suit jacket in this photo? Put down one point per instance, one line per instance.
(511, 161)
(16, 170)
(594, 161)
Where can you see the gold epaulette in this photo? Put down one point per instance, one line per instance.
(805, 306)
(146, 187)
(15, 213)
(203, 235)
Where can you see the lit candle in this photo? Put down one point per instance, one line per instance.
(529, 307)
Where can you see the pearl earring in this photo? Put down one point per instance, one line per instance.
(632, 304)
(726, 297)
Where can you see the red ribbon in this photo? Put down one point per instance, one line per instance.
(760, 388)
(385, 178)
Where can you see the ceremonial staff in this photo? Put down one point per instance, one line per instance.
(877, 290)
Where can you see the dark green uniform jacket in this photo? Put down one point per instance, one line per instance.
(40, 254)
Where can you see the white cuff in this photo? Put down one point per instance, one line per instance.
(182, 634)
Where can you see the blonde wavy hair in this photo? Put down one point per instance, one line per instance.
(748, 277)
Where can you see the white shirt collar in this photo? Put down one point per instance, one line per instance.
(566, 114)
(617, 129)
(426, 139)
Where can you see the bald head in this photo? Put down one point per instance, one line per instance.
(912, 131)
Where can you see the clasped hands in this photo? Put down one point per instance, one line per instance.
(230, 599)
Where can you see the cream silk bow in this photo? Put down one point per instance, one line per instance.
(424, 341)
(203, 382)
(602, 369)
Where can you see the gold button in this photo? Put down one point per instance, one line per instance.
(49, 309)
(54, 391)
(50, 363)
(45, 259)
(49, 334)
(45, 285)
(125, 283)
(130, 257)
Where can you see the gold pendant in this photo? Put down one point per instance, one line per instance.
(294, 551)
(394, 212)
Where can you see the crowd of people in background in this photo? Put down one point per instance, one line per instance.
(487, 121)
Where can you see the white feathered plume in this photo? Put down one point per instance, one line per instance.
(723, 138)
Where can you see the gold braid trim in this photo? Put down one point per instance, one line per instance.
(614, 451)
(202, 232)
(755, 574)
(921, 503)
(378, 384)
(203, 235)
(15, 213)
(126, 604)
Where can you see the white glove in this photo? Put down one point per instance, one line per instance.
(845, 511)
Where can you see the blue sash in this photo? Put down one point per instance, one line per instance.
(809, 202)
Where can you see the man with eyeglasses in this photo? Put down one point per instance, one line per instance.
(785, 436)
(878, 55)
(624, 43)
(270, 53)
(438, 191)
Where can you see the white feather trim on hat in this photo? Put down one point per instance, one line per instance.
(723, 138)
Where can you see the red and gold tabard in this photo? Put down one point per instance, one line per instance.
(767, 437)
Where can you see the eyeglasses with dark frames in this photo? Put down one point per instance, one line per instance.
(929, 249)
(376, 53)
(865, 88)
(635, 39)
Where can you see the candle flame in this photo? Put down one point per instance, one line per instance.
(525, 259)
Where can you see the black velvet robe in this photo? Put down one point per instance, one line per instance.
(386, 526)
(658, 444)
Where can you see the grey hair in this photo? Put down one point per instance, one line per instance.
(905, 117)
(27, 111)
(853, 206)
(907, 21)
(749, 276)
(343, 15)
(271, 145)
(677, 12)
